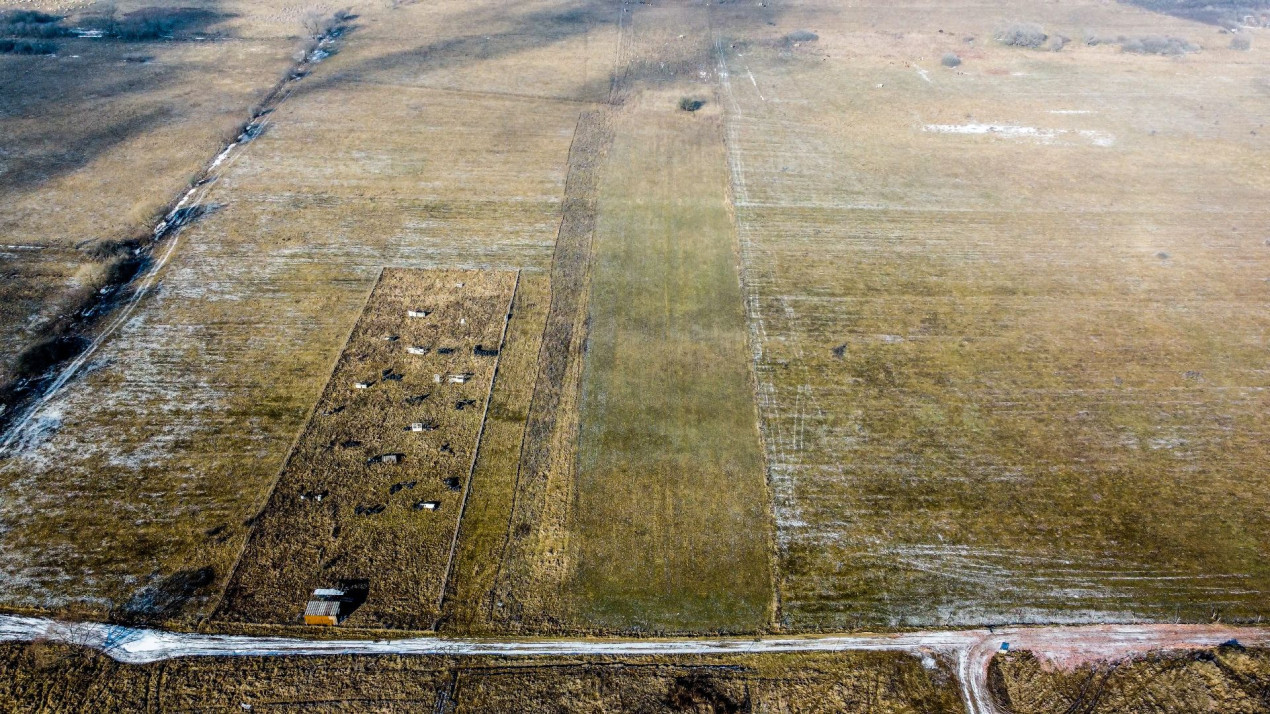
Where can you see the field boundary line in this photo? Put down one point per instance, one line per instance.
(476, 451)
(295, 443)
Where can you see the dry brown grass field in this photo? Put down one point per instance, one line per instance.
(364, 498)
(150, 463)
(1009, 317)
(52, 678)
(484, 533)
(1005, 321)
(1223, 679)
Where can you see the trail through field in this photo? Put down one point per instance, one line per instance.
(972, 649)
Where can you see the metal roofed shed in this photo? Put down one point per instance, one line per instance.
(322, 612)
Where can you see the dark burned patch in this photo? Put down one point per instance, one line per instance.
(701, 693)
(167, 598)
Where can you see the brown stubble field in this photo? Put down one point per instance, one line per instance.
(45, 677)
(151, 463)
(1015, 375)
(1228, 678)
(340, 513)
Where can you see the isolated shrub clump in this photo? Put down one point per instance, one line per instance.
(1158, 45)
(950, 60)
(691, 104)
(802, 36)
(1022, 34)
(1058, 42)
(1241, 43)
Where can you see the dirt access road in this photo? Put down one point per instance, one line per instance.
(973, 649)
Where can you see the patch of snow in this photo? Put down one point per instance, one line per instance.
(1015, 131)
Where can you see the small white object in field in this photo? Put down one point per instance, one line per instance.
(417, 350)
(436, 379)
(416, 313)
(361, 385)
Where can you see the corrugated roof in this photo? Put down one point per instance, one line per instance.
(322, 608)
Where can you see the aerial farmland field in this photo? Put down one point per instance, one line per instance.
(1009, 317)
(594, 320)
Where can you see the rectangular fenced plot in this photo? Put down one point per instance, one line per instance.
(370, 498)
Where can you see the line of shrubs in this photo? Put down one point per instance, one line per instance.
(26, 47)
(1149, 45)
(29, 23)
(24, 32)
(1033, 36)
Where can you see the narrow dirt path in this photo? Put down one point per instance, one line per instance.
(972, 649)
